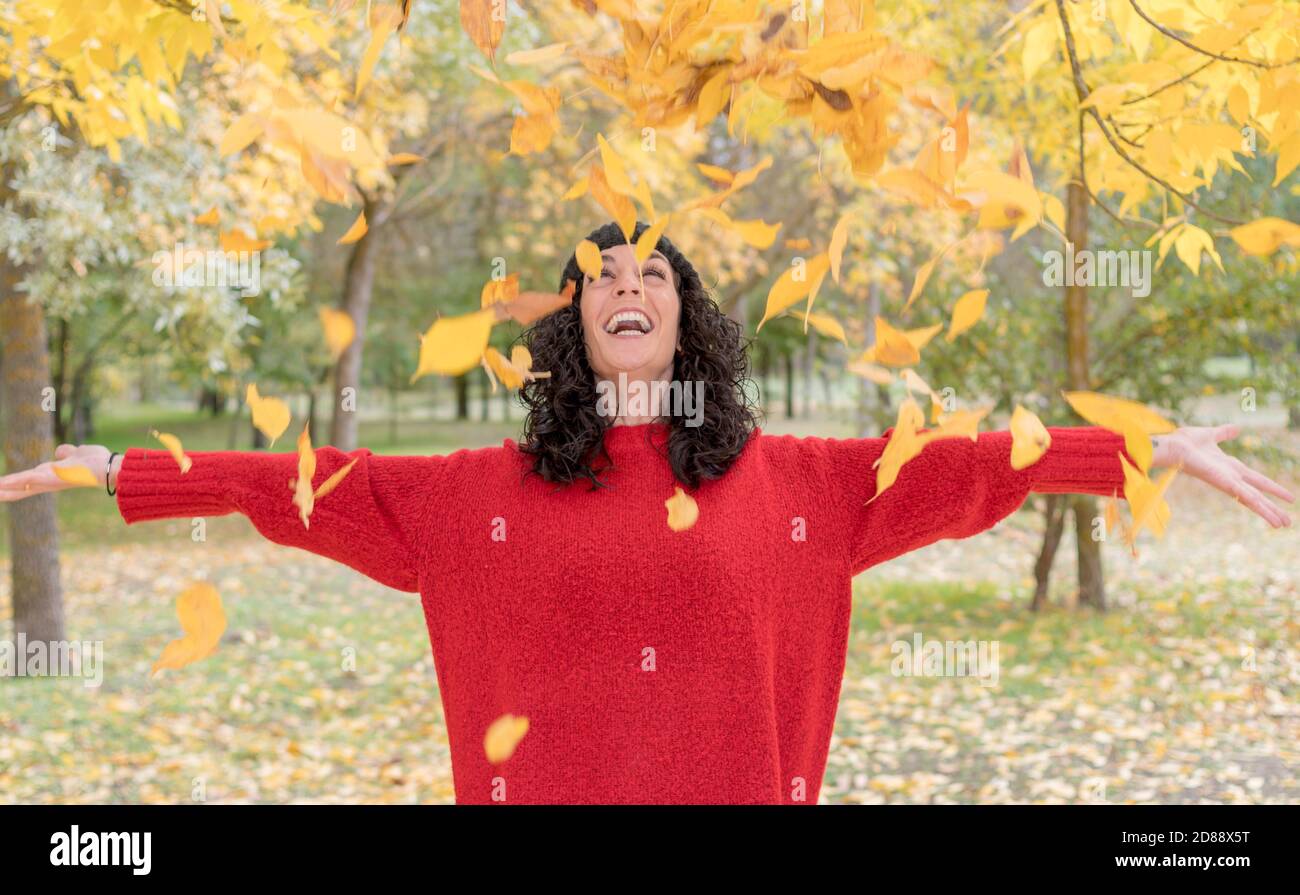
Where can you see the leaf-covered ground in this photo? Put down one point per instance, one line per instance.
(1185, 691)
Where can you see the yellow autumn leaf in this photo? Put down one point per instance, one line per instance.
(1117, 414)
(333, 481)
(384, 21)
(76, 475)
(339, 330)
(1146, 500)
(239, 241)
(536, 55)
(589, 260)
(967, 312)
(211, 216)
(893, 348)
(173, 444)
(645, 244)
(1266, 235)
(512, 372)
(270, 415)
(241, 133)
(1029, 438)
(453, 345)
(615, 171)
(203, 621)
(355, 232)
(503, 736)
(405, 158)
(794, 285)
(823, 323)
(303, 496)
(904, 443)
(682, 510)
(1040, 43)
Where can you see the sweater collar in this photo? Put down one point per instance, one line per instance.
(643, 434)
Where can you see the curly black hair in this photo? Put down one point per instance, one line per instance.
(564, 432)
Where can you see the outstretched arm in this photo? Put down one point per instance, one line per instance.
(956, 487)
(372, 521)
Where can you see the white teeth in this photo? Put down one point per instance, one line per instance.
(636, 317)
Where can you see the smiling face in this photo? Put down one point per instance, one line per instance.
(630, 322)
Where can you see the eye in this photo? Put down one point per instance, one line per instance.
(658, 272)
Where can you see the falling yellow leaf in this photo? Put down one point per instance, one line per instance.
(1117, 414)
(794, 285)
(333, 481)
(1029, 438)
(1146, 500)
(484, 26)
(173, 444)
(588, 257)
(355, 232)
(270, 415)
(453, 345)
(893, 348)
(824, 324)
(536, 55)
(203, 620)
(384, 21)
(211, 216)
(645, 244)
(405, 158)
(904, 444)
(514, 372)
(682, 510)
(503, 736)
(615, 170)
(967, 312)
(303, 496)
(241, 133)
(339, 330)
(527, 308)
(239, 241)
(76, 475)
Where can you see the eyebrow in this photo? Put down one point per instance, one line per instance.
(606, 256)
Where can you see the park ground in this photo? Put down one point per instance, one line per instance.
(1185, 691)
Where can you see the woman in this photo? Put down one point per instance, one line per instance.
(654, 665)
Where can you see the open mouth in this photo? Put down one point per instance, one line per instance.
(629, 323)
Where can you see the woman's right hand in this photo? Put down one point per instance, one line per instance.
(43, 479)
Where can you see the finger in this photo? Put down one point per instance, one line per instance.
(1263, 482)
(1248, 495)
(63, 451)
(27, 479)
(1226, 432)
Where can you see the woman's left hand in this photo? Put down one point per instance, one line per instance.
(1197, 449)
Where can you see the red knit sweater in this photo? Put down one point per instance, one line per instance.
(653, 665)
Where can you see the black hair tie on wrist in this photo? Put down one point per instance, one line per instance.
(108, 475)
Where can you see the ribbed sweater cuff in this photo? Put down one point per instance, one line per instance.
(150, 485)
(1081, 460)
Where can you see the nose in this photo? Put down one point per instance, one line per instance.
(628, 282)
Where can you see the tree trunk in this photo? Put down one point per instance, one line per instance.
(28, 441)
(789, 385)
(485, 396)
(358, 287)
(312, 427)
(809, 365)
(462, 397)
(1092, 586)
(1054, 514)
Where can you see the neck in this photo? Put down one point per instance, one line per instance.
(635, 398)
